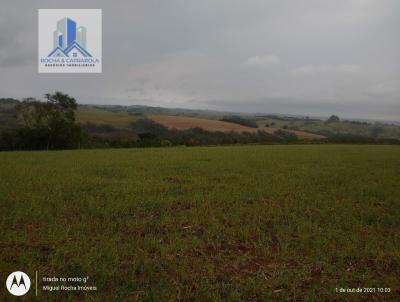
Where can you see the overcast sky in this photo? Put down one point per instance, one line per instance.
(310, 57)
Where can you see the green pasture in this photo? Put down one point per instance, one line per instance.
(242, 223)
(99, 116)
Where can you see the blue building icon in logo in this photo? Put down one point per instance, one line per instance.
(68, 40)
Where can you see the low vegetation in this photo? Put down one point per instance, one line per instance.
(334, 127)
(153, 134)
(244, 223)
(240, 120)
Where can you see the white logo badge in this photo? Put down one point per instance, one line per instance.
(70, 40)
(18, 283)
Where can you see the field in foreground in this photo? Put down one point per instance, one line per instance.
(251, 223)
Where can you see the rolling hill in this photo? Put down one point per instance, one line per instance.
(121, 117)
(86, 114)
(184, 123)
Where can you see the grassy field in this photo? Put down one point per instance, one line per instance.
(122, 120)
(251, 223)
(98, 116)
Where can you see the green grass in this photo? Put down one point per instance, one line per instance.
(98, 116)
(251, 223)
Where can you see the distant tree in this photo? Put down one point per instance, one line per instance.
(97, 128)
(286, 136)
(30, 113)
(240, 120)
(147, 126)
(50, 124)
(332, 119)
(376, 131)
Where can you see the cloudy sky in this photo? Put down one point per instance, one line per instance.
(310, 57)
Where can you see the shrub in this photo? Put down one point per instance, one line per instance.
(239, 120)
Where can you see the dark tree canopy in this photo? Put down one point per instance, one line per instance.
(47, 125)
(333, 119)
(239, 120)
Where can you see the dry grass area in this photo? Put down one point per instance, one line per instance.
(183, 123)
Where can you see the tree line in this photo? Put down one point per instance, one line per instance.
(52, 125)
(44, 125)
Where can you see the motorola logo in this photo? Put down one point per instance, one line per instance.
(18, 283)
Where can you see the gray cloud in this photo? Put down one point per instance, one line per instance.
(15, 44)
(264, 61)
(308, 57)
(321, 70)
